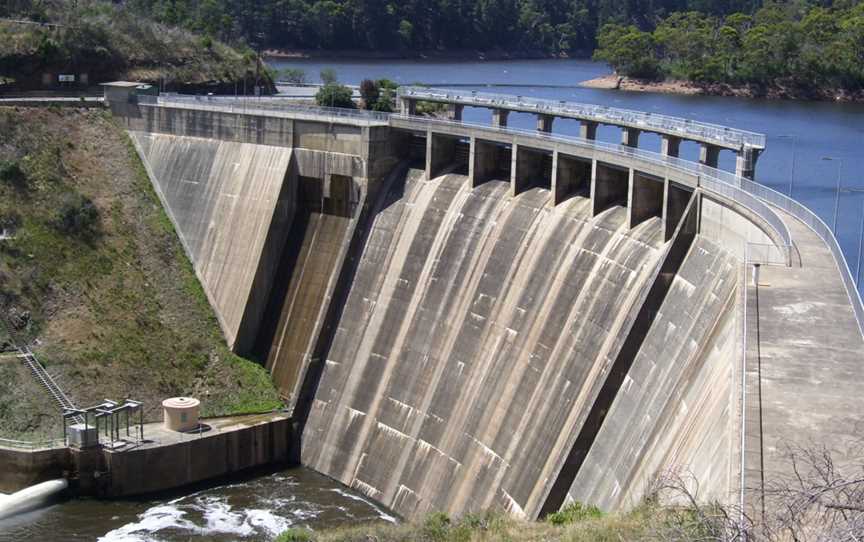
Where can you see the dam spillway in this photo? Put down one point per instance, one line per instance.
(442, 362)
(564, 322)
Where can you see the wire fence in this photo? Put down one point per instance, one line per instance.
(722, 135)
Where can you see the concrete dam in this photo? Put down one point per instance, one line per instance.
(463, 317)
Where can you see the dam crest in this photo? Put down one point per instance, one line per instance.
(463, 317)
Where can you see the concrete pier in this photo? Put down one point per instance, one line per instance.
(670, 146)
(630, 137)
(588, 130)
(544, 123)
(454, 112)
(745, 162)
(709, 155)
(499, 117)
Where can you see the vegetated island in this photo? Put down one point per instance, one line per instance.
(791, 51)
(41, 40)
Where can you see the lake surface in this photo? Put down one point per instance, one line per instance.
(252, 508)
(820, 141)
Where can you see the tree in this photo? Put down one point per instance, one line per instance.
(370, 93)
(628, 50)
(328, 76)
(334, 95)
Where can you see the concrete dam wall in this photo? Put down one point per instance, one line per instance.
(456, 343)
(231, 204)
(475, 337)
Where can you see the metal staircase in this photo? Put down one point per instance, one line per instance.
(43, 378)
(48, 383)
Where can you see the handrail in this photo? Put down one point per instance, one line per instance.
(722, 135)
(756, 197)
(262, 105)
(32, 444)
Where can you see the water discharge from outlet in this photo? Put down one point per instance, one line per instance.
(30, 498)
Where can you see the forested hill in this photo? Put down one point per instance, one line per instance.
(543, 26)
(789, 50)
(111, 41)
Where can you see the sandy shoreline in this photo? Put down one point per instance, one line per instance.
(687, 88)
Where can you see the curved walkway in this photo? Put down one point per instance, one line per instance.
(805, 354)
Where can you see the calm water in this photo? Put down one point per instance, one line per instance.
(822, 140)
(257, 508)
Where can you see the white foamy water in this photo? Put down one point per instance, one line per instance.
(258, 509)
(150, 522)
(381, 514)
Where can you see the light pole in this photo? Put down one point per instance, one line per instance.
(860, 237)
(794, 153)
(860, 247)
(837, 190)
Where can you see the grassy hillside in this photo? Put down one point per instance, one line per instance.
(575, 523)
(110, 42)
(95, 277)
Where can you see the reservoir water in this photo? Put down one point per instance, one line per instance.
(810, 144)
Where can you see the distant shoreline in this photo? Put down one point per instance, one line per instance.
(455, 54)
(689, 88)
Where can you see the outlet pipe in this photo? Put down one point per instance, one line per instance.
(30, 498)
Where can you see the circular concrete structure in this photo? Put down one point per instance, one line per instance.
(181, 413)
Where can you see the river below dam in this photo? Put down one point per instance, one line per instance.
(255, 507)
(810, 144)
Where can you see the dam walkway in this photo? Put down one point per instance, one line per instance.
(804, 358)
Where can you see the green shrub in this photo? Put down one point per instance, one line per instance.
(294, 75)
(334, 95)
(77, 216)
(385, 102)
(436, 526)
(573, 513)
(11, 173)
(295, 534)
(328, 76)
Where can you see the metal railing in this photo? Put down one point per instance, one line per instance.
(812, 220)
(265, 106)
(32, 444)
(721, 135)
(758, 198)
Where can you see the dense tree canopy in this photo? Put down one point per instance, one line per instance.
(797, 44)
(550, 26)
